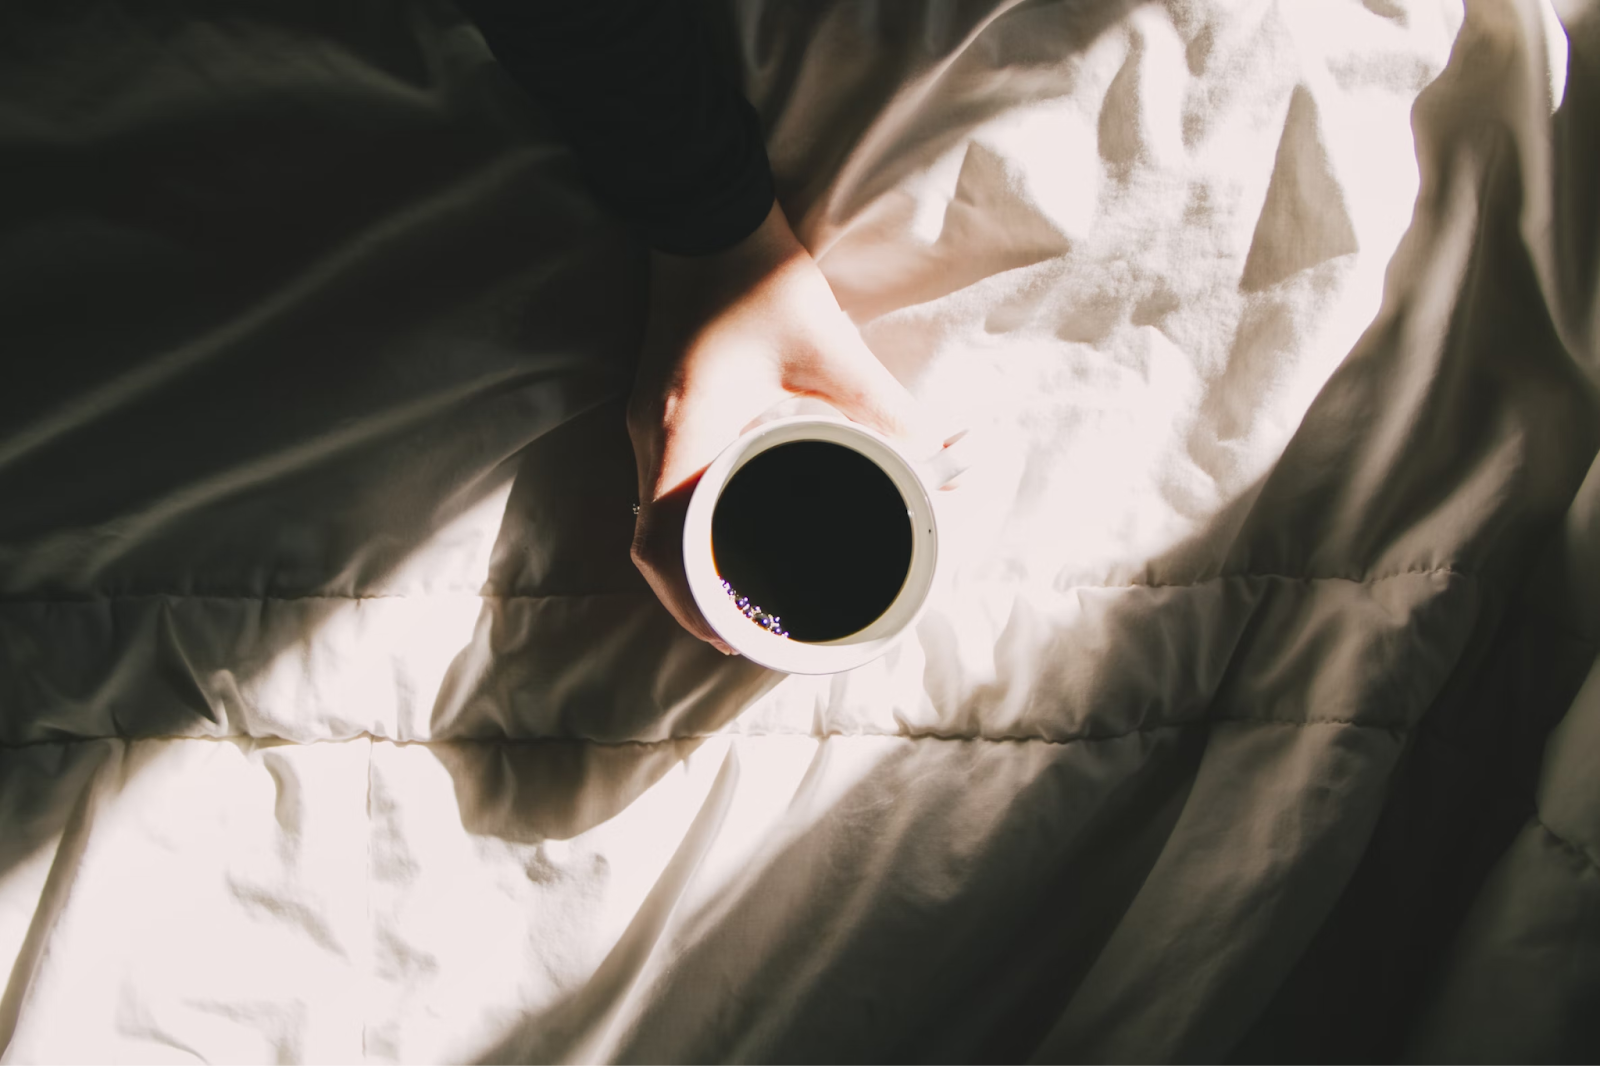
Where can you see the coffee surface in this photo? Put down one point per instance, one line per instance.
(815, 533)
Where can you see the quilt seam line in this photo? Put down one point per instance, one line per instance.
(1307, 579)
(24, 601)
(239, 597)
(988, 738)
(1567, 845)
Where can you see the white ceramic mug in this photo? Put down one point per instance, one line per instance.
(915, 480)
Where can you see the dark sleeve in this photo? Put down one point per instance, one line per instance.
(663, 137)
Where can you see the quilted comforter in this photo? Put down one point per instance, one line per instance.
(1258, 718)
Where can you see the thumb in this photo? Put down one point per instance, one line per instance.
(864, 391)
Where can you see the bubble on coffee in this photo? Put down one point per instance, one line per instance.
(812, 540)
(770, 622)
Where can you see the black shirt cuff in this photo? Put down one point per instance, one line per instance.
(663, 137)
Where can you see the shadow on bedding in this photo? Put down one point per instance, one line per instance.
(964, 920)
(570, 642)
(300, 297)
(1065, 839)
(1302, 843)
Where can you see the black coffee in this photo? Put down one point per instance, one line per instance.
(815, 533)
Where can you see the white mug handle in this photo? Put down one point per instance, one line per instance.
(939, 469)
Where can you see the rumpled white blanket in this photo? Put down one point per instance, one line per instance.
(335, 724)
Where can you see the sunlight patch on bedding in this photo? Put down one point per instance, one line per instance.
(380, 671)
(197, 854)
(1228, 194)
(600, 911)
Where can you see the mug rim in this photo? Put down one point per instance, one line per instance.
(782, 653)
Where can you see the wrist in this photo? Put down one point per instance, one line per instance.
(767, 248)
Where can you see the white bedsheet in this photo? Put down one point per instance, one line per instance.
(337, 726)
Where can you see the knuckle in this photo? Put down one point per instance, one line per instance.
(806, 369)
(640, 553)
(646, 551)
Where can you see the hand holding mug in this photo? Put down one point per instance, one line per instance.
(730, 337)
